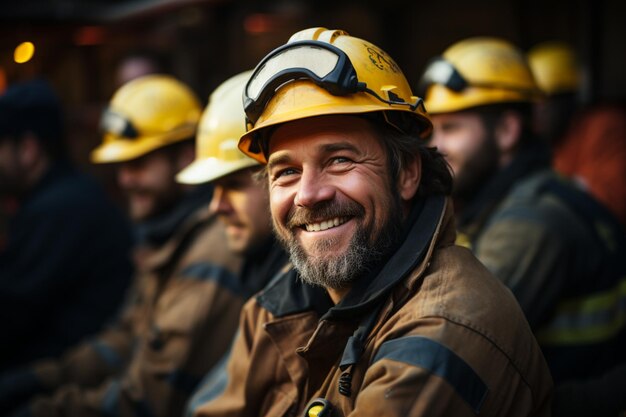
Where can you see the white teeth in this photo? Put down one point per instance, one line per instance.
(324, 225)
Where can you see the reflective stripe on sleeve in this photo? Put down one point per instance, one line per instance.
(440, 361)
(591, 319)
(204, 271)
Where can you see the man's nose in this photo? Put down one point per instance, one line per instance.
(313, 188)
(220, 204)
(125, 176)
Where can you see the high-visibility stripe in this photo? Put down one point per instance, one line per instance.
(438, 360)
(205, 271)
(585, 320)
(463, 240)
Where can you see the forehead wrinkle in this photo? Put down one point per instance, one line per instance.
(339, 146)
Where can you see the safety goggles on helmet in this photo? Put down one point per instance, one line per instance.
(115, 123)
(441, 71)
(324, 64)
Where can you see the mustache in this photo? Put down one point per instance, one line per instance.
(298, 216)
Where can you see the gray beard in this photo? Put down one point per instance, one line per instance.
(338, 271)
(334, 271)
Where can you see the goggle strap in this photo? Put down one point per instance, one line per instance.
(394, 99)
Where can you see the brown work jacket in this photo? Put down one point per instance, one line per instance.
(432, 334)
(179, 322)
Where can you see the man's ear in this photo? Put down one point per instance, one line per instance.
(508, 132)
(409, 178)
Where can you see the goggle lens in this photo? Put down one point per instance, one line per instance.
(112, 122)
(324, 64)
(442, 72)
(319, 62)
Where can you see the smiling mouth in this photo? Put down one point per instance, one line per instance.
(325, 225)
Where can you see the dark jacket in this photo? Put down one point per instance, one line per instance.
(65, 268)
(432, 333)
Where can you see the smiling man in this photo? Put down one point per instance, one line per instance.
(381, 315)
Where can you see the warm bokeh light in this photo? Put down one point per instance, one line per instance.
(24, 52)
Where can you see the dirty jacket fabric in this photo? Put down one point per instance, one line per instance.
(563, 256)
(65, 268)
(431, 333)
(178, 323)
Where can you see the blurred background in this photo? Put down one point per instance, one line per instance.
(84, 46)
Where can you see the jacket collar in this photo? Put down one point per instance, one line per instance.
(289, 295)
(150, 258)
(156, 231)
(263, 265)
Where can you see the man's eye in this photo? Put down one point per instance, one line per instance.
(340, 160)
(284, 173)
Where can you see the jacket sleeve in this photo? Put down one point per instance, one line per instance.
(167, 362)
(90, 363)
(418, 376)
(227, 394)
(415, 376)
(531, 259)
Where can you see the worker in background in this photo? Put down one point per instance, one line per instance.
(588, 144)
(555, 247)
(183, 311)
(65, 264)
(240, 198)
(381, 313)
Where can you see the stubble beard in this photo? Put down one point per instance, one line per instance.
(366, 250)
(477, 171)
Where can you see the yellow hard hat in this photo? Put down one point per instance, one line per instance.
(555, 67)
(146, 114)
(322, 72)
(475, 72)
(221, 125)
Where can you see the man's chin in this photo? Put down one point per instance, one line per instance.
(141, 213)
